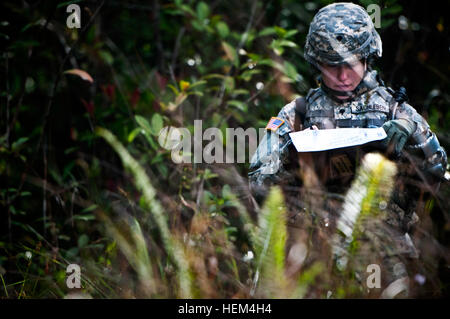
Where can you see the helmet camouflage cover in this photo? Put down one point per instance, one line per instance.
(341, 33)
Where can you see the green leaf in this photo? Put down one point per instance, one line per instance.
(64, 237)
(202, 11)
(70, 150)
(106, 56)
(174, 89)
(287, 43)
(163, 170)
(187, 9)
(150, 140)
(27, 26)
(83, 240)
(222, 29)
(290, 71)
(238, 104)
(197, 84)
(230, 53)
(84, 217)
(277, 45)
(157, 159)
(229, 84)
(133, 134)
(67, 169)
(280, 31)
(143, 123)
(247, 75)
(157, 124)
(273, 64)
(254, 57)
(71, 253)
(18, 143)
(266, 31)
(387, 22)
(197, 25)
(395, 9)
(290, 33)
(208, 175)
(240, 92)
(89, 209)
(198, 93)
(226, 191)
(214, 76)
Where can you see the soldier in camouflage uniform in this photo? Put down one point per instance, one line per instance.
(341, 44)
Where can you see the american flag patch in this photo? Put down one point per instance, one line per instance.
(274, 123)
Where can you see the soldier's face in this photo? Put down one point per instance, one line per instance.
(343, 77)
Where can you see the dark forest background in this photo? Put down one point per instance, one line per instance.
(70, 192)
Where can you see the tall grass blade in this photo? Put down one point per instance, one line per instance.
(369, 193)
(143, 184)
(270, 249)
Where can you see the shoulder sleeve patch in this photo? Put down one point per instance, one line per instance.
(274, 123)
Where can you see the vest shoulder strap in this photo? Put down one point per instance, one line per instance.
(300, 113)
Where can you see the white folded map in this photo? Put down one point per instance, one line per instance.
(322, 140)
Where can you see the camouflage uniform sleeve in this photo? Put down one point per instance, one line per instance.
(424, 141)
(268, 163)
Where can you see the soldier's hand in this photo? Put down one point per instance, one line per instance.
(398, 132)
(315, 128)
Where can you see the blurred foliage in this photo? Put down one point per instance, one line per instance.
(80, 105)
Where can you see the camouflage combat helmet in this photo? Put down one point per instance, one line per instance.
(341, 32)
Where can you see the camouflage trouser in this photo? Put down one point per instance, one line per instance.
(382, 242)
(383, 245)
